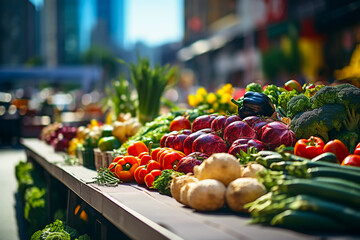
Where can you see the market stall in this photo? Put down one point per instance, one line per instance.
(145, 214)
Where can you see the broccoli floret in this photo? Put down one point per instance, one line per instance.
(272, 91)
(350, 139)
(349, 95)
(285, 97)
(326, 95)
(298, 104)
(254, 87)
(319, 122)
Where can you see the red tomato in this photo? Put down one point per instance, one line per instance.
(352, 160)
(338, 148)
(180, 123)
(357, 149)
(293, 84)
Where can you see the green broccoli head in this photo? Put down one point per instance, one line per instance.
(298, 104)
(254, 87)
(285, 97)
(349, 95)
(319, 122)
(326, 95)
(308, 124)
(272, 91)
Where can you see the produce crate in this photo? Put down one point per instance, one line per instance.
(102, 159)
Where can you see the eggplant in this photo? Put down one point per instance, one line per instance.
(254, 104)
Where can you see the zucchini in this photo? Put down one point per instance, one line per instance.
(326, 157)
(301, 220)
(334, 172)
(344, 214)
(343, 195)
(338, 182)
(266, 161)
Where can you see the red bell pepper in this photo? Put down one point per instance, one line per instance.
(150, 177)
(357, 149)
(171, 159)
(309, 148)
(125, 168)
(140, 173)
(351, 160)
(338, 148)
(143, 170)
(136, 148)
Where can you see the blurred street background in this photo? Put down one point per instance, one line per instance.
(58, 56)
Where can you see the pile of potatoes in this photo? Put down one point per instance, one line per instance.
(219, 180)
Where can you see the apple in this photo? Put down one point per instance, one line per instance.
(293, 84)
(179, 123)
(209, 143)
(237, 130)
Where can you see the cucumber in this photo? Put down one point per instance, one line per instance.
(326, 157)
(338, 182)
(301, 220)
(344, 214)
(343, 195)
(334, 172)
(266, 161)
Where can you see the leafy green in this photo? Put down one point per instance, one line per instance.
(35, 207)
(273, 92)
(285, 97)
(162, 182)
(254, 87)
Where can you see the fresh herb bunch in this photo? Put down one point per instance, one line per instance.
(106, 178)
(162, 182)
(150, 83)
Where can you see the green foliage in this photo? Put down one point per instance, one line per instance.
(35, 207)
(162, 182)
(254, 87)
(285, 97)
(119, 97)
(273, 92)
(23, 175)
(58, 236)
(309, 92)
(57, 230)
(298, 104)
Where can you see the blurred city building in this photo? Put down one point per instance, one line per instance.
(17, 31)
(269, 41)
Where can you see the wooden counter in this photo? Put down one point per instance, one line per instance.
(144, 214)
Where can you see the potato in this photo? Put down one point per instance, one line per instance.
(220, 166)
(242, 191)
(206, 195)
(251, 170)
(184, 192)
(177, 183)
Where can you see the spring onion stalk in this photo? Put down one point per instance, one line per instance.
(150, 83)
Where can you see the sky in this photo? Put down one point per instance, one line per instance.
(153, 22)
